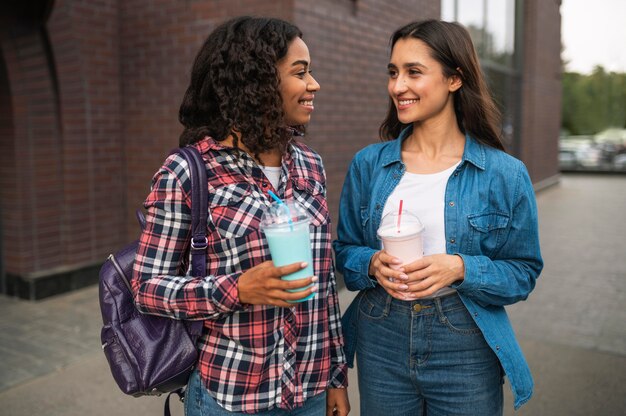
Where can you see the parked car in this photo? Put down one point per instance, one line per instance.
(567, 159)
(619, 162)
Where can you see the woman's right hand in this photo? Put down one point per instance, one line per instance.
(262, 285)
(390, 275)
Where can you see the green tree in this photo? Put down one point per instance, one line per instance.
(594, 102)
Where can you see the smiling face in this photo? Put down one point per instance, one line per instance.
(297, 85)
(417, 85)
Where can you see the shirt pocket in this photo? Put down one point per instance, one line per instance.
(486, 232)
(310, 194)
(233, 211)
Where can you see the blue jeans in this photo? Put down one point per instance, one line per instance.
(424, 358)
(198, 402)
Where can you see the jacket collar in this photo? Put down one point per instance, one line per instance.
(473, 153)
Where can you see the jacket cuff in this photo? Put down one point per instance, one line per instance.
(356, 273)
(472, 281)
(225, 294)
(339, 376)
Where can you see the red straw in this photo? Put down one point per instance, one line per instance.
(399, 216)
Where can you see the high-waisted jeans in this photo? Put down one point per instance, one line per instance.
(427, 357)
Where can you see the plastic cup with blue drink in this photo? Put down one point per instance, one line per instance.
(286, 228)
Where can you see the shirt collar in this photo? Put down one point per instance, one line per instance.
(472, 153)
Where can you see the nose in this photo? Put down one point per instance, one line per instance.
(312, 85)
(397, 85)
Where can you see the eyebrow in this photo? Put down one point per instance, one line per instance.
(406, 65)
(300, 62)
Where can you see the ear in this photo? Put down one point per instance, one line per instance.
(454, 83)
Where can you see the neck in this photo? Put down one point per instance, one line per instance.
(434, 139)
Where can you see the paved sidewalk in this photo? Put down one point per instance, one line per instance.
(572, 328)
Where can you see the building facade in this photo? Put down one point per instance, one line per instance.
(89, 96)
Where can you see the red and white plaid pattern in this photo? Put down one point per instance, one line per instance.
(252, 357)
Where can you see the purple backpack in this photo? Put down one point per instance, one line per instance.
(148, 354)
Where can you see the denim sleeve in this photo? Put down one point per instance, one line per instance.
(353, 254)
(510, 275)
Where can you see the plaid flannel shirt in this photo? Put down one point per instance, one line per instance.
(252, 357)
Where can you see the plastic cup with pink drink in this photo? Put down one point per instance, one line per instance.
(402, 236)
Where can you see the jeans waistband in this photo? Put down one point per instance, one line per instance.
(379, 295)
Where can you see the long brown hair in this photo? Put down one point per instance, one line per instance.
(451, 46)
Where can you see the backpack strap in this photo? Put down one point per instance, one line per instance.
(199, 209)
(199, 213)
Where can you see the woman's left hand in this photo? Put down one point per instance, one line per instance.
(337, 403)
(431, 273)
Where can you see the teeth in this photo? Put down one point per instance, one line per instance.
(406, 102)
(309, 103)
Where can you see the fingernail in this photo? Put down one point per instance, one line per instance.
(403, 276)
(403, 287)
(314, 288)
(313, 278)
(304, 264)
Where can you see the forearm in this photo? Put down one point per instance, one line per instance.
(186, 297)
(498, 282)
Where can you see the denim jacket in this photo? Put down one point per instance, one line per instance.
(490, 220)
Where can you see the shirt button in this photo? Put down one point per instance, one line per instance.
(452, 241)
(451, 203)
(289, 319)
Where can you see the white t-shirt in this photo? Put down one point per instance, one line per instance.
(273, 174)
(424, 196)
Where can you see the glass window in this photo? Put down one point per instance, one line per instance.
(500, 31)
(492, 25)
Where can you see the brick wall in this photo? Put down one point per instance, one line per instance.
(84, 40)
(31, 180)
(541, 89)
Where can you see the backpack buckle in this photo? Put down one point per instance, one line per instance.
(199, 245)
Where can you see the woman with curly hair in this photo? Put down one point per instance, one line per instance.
(261, 352)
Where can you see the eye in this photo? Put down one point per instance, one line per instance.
(393, 73)
(414, 72)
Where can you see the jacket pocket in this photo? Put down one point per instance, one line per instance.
(486, 232)
(311, 195)
(233, 211)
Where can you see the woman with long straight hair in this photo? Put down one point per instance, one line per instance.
(431, 335)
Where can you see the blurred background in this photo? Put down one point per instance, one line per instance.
(89, 96)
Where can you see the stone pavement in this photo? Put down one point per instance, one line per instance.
(572, 328)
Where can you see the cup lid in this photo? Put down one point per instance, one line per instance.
(407, 227)
(287, 212)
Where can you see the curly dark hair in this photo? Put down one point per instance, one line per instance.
(234, 85)
(451, 46)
